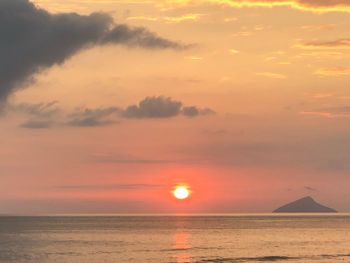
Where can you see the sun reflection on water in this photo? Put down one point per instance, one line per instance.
(182, 246)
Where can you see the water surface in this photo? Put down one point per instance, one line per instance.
(177, 239)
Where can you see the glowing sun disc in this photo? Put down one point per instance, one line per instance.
(181, 192)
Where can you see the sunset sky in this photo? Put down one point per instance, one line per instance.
(106, 105)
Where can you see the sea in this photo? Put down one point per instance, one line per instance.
(176, 238)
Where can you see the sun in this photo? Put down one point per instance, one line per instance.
(181, 192)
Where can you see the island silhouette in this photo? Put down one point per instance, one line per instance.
(304, 205)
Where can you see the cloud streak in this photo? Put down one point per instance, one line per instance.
(33, 39)
(271, 75)
(169, 19)
(343, 43)
(93, 117)
(330, 112)
(320, 6)
(42, 115)
(333, 72)
(110, 187)
(40, 110)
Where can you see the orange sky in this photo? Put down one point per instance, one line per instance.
(268, 78)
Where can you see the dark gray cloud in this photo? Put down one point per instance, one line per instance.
(138, 37)
(94, 117)
(32, 39)
(194, 111)
(46, 115)
(154, 107)
(163, 107)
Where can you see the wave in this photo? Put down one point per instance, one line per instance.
(245, 259)
(268, 258)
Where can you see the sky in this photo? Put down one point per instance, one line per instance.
(106, 105)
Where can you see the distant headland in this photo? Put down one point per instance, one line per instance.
(304, 205)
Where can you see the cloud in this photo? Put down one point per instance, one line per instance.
(333, 72)
(36, 109)
(33, 39)
(154, 107)
(321, 54)
(136, 160)
(93, 117)
(319, 27)
(138, 37)
(233, 51)
(110, 187)
(343, 43)
(42, 115)
(45, 115)
(162, 107)
(169, 19)
(330, 112)
(272, 75)
(318, 6)
(129, 160)
(194, 111)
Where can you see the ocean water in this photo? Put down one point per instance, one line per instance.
(176, 239)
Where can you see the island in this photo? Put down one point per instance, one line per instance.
(304, 205)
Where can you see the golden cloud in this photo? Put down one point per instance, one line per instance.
(272, 75)
(168, 19)
(319, 6)
(333, 72)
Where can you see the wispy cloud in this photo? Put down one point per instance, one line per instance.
(107, 158)
(194, 58)
(333, 72)
(168, 19)
(323, 6)
(272, 75)
(319, 27)
(94, 117)
(41, 115)
(125, 187)
(330, 112)
(233, 51)
(35, 109)
(321, 54)
(343, 43)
